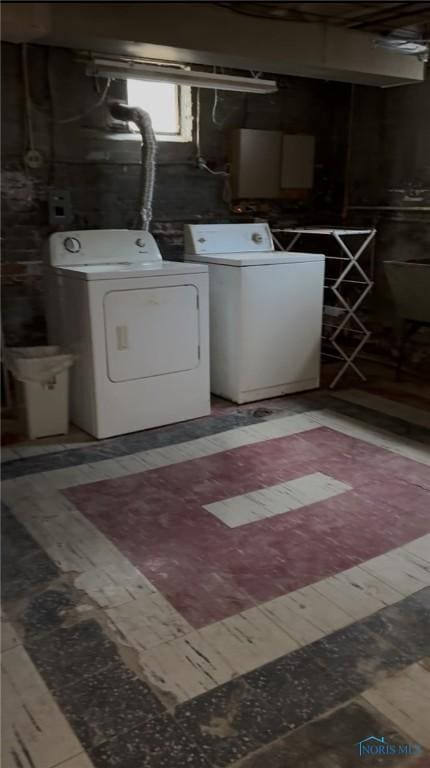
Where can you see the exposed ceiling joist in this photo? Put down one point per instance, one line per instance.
(408, 13)
(369, 16)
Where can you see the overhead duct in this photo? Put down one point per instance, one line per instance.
(25, 22)
(211, 35)
(148, 152)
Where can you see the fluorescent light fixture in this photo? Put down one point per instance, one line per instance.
(133, 70)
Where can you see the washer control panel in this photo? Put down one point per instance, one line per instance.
(227, 238)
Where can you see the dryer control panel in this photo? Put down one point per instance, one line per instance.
(102, 246)
(227, 238)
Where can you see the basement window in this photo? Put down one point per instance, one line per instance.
(169, 106)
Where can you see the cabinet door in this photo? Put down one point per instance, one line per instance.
(151, 331)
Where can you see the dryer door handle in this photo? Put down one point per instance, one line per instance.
(122, 337)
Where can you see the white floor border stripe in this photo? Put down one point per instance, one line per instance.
(30, 717)
(174, 656)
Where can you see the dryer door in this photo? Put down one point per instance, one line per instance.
(151, 331)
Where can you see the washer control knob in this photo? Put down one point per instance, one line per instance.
(72, 244)
(257, 238)
(140, 242)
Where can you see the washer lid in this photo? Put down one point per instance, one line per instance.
(129, 270)
(256, 259)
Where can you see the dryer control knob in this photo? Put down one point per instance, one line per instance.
(257, 238)
(140, 242)
(72, 244)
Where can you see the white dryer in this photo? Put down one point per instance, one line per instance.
(265, 311)
(138, 326)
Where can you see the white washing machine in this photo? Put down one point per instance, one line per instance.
(265, 311)
(138, 325)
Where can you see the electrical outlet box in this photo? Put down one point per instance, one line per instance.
(60, 207)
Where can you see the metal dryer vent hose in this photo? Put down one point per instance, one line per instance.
(148, 152)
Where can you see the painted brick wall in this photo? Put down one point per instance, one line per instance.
(102, 173)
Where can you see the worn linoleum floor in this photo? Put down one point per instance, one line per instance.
(249, 589)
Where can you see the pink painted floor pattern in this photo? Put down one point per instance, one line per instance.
(209, 571)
